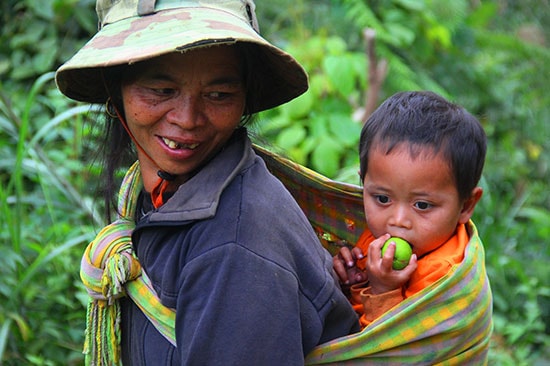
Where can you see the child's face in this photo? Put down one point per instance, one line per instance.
(415, 199)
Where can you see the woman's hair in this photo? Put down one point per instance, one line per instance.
(425, 120)
(116, 150)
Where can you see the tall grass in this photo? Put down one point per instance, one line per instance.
(45, 222)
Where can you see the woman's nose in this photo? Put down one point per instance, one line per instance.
(186, 112)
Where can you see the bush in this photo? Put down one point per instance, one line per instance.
(490, 58)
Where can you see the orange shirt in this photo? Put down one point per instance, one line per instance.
(431, 267)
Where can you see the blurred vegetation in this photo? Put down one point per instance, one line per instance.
(491, 56)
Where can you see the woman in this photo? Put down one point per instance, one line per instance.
(219, 263)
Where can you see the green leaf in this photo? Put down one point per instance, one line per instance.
(31, 37)
(340, 71)
(291, 137)
(24, 328)
(326, 157)
(415, 5)
(344, 129)
(439, 34)
(483, 14)
(299, 107)
(401, 36)
(42, 8)
(274, 124)
(4, 332)
(359, 62)
(318, 85)
(336, 46)
(318, 126)
(45, 58)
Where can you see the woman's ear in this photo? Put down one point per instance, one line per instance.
(469, 204)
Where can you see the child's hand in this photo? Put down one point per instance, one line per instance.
(382, 277)
(344, 266)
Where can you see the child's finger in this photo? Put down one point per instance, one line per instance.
(347, 256)
(340, 269)
(360, 276)
(411, 267)
(376, 246)
(357, 253)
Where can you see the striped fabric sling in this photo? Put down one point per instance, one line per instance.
(447, 323)
(110, 270)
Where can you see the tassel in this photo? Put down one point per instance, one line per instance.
(103, 325)
(102, 341)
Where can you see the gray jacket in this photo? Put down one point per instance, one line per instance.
(233, 253)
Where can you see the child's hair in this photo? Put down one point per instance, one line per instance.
(426, 120)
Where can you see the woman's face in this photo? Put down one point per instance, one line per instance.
(182, 108)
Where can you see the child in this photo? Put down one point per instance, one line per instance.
(421, 158)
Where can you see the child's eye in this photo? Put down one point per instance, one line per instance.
(422, 205)
(382, 199)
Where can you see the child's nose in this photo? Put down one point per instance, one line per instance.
(400, 217)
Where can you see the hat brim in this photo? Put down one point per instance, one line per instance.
(136, 39)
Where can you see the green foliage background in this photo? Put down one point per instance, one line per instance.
(490, 56)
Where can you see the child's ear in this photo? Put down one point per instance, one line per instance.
(469, 205)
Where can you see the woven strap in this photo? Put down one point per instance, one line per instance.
(334, 209)
(447, 323)
(110, 270)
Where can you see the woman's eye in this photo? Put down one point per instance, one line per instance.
(382, 199)
(422, 205)
(218, 95)
(163, 91)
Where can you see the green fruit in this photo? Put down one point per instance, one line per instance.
(402, 254)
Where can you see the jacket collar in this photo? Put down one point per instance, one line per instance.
(198, 198)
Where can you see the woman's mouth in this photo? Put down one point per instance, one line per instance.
(177, 145)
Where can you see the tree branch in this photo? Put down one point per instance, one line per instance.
(377, 72)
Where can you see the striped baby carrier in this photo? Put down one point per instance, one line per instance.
(447, 323)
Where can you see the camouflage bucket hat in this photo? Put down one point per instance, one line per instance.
(135, 30)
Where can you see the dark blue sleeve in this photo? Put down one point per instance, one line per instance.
(238, 308)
